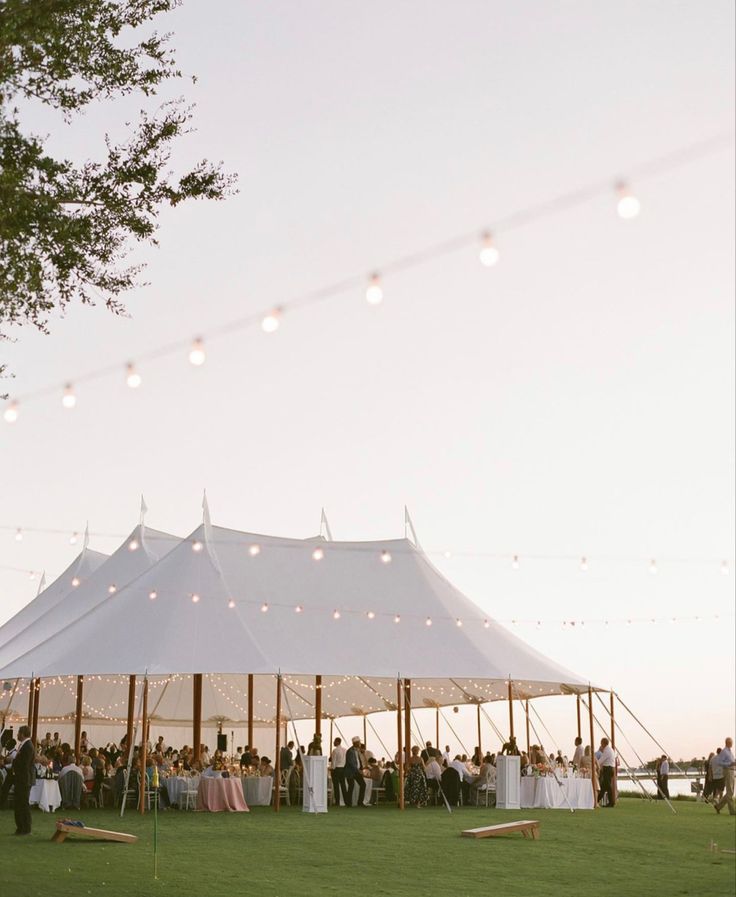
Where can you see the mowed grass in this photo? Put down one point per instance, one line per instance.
(634, 850)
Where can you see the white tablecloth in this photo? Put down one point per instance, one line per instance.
(176, 784)
(257, 790)
(46, 794)
(545, 793)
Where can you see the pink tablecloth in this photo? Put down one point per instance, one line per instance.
(215, 794)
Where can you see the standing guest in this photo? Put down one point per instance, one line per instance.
(22, 778)
(264, 767)
(607, 762)
(510, 747)
(246, 758)
(315, 746)
(726, 761)
(708, 782)
(416, 790)
(286, 758)
(46, 741)
(478, 757)
(578, 755)
(664, 776)
(337, 762)
(354, 773)
(719, 780)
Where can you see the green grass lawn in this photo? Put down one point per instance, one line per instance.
(635, 850)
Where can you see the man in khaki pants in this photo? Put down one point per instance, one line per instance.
(726, 760)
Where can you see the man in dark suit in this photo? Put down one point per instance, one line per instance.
(353, 772)
(22, 777)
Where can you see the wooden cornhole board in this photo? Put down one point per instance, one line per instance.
(63, 831)
(529, 828)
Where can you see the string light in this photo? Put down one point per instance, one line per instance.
(298, 609)
(371, 615)
(264, 608)
(271, 322)
(385, 557)
(231, 604)
(133, 545)
(132, 377)
(428, 621)
(374, 290)
(515, 562)
(11, 413)
(195, 598)
(486, 624)
(488, 254)
(75, 581)
(254, 550)
(68, 399)
(19, 535)
(458, 622)
(583, 565)
(112, 589)
(397, 618)
(73, 538)
(318, 554)
(197, 546)
(653, 567)
(724, 568)
(153, 595)
(628, 206)
(335, 614)
(197, 355)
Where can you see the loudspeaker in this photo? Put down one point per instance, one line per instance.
(222, 742)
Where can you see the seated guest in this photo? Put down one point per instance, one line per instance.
(586, 763)
(264, 767)
(71, 782)
(88, 774)
(245, 757)
(375, 773)
(433, 772)
(46, 741)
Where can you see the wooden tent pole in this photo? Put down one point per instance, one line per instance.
(131, 713)
(277, 764)
(318, 705)
(329, 752)
(250, 711)
(613, 746)
(400, 748)
(365, 732)
(480, 748)
(36, 701)
(528, 740)
(196, 717)
(407, 720)
(143, 778)
(78, 718)
(30, 702)
(593, 777)
(511, 710)
(580, 729)
(437, 727)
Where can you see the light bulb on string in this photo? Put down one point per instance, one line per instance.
(197, 355)
(428, 621)
(371, 615)
(32, 575)
(254, 550)
(231, 604)
(264, 608)
(335, 614)
(111, 589)
(197, 546)
(73, 538)
(486, 624)
(132, 377)
(374, 290)
(724, 568)
(271, 321)
(397, 618)
(153, 595)
(318, 554)
(75, 581)
(385, 557)
(19, 535)
(68, 399)
(11, 413)
(195, 598)
(583, 565)
(298, 609)
(133, 545)
(458, 622)
(488, 254)
(515, 562)
(653, 567)
(627, 206)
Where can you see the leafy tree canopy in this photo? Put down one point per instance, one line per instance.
(65, 227)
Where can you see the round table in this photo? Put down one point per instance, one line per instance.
(216, 794)
(257, 790)
(175, 785)
(46, 794)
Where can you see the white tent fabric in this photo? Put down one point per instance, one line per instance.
(141, 550)
(80, 569)
(226, 603)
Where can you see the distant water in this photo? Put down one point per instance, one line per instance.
(676, 786)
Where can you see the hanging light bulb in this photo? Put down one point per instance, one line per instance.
(371, 615)
(264, 608)
(69, 399)
(195, 598)
(153, 594)
(385, 557)
(133, 545)
(488, 254)
(11, 413)
(653, 567)
(19, 535)
(254, 550)
(271, 321)
(486, 624)
(73, 538)
(75, 581)
(627, 206)
(231, 604)
(428, 621)
(197, 546)
(318, 554)
(583, 565)
(724, 568)
(111, 589)
(298, 609)
(458, 622)
(335, 614)
(197, 355)
(132, 377)
(374, 290)
(515, 562)
(397, 618)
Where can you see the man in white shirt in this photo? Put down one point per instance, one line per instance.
(337, 762)
(607, 763)
(446, 755)
(466, 777)
(726, 761)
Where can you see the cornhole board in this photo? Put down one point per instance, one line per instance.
(529, 828)
(100, 834)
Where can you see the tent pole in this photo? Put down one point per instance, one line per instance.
(592, 749)
(78, 718)
(437, 727)
(613, 747)
(318, 705)
(30, 702)
(528, 740)
(365, 733)
(131, 711)
(196, 717)
(36, 700)
(331, 739)
(277, 765)
(580, 729)
(407, 720)
(511, 710)
(400, 748)
(250, 711)
(143, 780)
(477, 713)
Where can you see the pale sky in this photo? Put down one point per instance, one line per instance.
(577, 399)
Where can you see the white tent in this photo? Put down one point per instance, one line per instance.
(226, 604)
